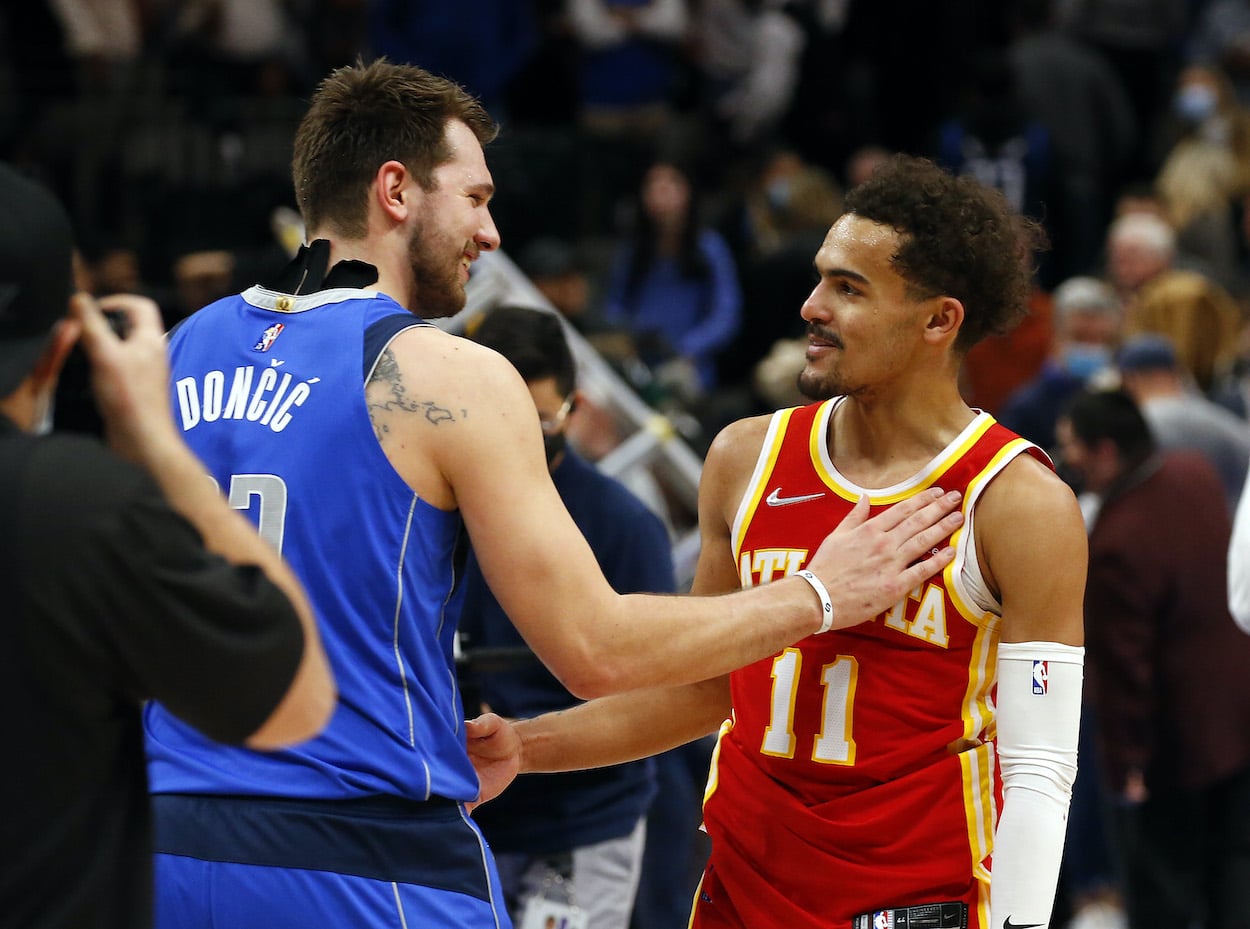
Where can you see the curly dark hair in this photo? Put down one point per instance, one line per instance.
(957, 238)
(364, 115)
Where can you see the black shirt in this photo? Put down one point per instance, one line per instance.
(109, 599)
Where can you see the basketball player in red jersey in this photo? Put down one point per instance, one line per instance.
(913, 771)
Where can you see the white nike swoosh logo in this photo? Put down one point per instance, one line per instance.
(275, 363)
(776, 499)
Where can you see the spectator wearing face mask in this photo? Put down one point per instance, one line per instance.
(576, 838)
(1202, 104)
(1205, 165)
(1221, 37)
(1087, 322)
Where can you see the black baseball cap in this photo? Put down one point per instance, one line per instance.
(36, 273)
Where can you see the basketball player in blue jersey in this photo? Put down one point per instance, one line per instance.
(361, 439)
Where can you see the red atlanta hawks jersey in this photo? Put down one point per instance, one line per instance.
(857, 772)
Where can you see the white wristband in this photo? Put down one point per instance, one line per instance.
(826, 605)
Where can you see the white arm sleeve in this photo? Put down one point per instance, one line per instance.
(1039, 717)
(1239, 561)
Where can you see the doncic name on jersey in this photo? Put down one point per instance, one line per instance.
(268, 397)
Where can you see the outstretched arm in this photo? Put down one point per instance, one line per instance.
(483, 454)
(866, 566)
(607, 731)
(625, 727)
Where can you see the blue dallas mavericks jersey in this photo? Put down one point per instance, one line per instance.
(269, 392)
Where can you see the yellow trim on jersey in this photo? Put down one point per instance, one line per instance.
(694, 904)
(977, 714)
(930, 474)
(979, 803)
(942, 462)
(764, 465)
(983, 896)
(950, 574)
(713, 773)
(818, 451)
(1001, 459)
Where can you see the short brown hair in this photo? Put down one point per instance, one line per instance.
(957, 238)
(364, 115)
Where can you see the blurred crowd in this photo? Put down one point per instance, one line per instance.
(668, 168)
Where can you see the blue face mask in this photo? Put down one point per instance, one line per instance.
(778, 193)
(1084, 361)
(1196, 102)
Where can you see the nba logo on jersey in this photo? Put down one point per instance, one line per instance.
(267, 338)
(883, 919)
(1041, 675)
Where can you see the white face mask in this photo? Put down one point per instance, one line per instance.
(1196, 102)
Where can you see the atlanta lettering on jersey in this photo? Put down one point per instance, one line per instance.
(269, 398)
(921, 614)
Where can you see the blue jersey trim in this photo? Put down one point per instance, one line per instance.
(379, 335)
(430, 844)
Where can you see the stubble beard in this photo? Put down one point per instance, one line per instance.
(822, 385)
(440, 292)
(814, 383)
(817, 386)
(814, 386)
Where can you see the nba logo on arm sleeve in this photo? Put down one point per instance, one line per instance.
(1041, 674)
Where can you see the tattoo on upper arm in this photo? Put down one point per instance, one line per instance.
(394, 398)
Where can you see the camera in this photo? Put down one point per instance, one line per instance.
(118, 322)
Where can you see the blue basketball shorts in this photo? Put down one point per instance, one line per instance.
(262, 863)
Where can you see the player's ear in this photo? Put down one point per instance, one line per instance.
(945, 317)
(393, 190)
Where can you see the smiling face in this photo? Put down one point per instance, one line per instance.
(453, 226)
(863, 323)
